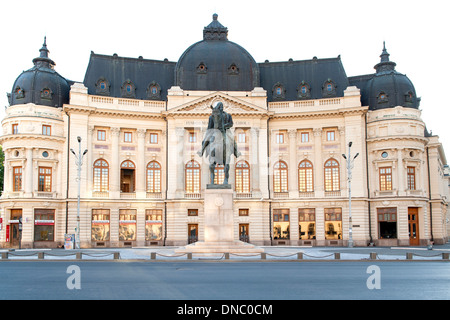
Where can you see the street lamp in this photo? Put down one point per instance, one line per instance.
(350, 164)
(79, 163)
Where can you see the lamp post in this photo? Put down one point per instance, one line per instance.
(350, 164)
(79, 163)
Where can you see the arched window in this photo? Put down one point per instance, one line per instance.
(192, 174)
(219, 174)
(305, 176)
(154, 177)
(101, 176)
(331, 174)
(127, 176)
(242, 177)
(280, 177)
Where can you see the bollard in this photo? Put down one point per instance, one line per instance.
(409, 256)
(116, 255)
(79, 255)
(40, 255)
(189, 255)
(263, 256)
(445, 255)
(299, 255)
(4, 255)
(337, 256)
(227, 256)
(153, 255)
(373, 256)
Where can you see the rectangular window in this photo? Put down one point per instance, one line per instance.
(385, 178)
(281, 224)
(154, 138)
(127, 224)
(279, 138)
(127, 137)
(305, 137)
(243, 212)
(100, 225)
(333, 223)
(101, 135)
(17, 177)
(153, 224)
(387, 223)
(15, 128)
(44, 225)
(192, 136)
(242, 137)
(411, 172)
(192, 212)
(46, 130)
(45, 179)
(330, 136)
(307, 224)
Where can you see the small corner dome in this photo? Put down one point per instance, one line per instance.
(41, 84)
(216, 64)
(389, 88)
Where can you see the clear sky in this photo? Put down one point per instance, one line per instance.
(416, 35)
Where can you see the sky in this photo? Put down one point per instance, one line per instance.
(415, 33)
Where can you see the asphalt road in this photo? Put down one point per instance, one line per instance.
(198, 280)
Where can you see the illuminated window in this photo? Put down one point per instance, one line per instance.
(192, 174)
(307, 224)
(281, 224)
(242, 177)
(154, 177)
(331, 169)
(411, 172)
(101, 176)
(17, 177)
(219, 174)
(305, 176)
(100, 230)
(385, 178)
(45, 179)
(153, 224)
(280, 177)
(127, 224)
(333, 223)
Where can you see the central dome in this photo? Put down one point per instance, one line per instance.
(216, 64)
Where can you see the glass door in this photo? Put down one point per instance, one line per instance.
(413, 225)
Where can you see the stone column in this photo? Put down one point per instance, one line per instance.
(293, 166)
(114, 169)
(254, 161)
(141, 165)
(89, 162)
(28, 177)
(180, 162)
(400, 168)
(318, 163)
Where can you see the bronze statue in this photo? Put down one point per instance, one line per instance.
(219, 142)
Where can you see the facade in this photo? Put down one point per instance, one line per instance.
(143, 121)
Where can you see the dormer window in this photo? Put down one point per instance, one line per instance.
(201, 68)
(19, 93)
(409, 96)
(303, 90)
(102, 87)
(278, 91)
(46, 93)
(329, 89)
(382, 97)
(233, 69)
(154, 91)
(128, 89)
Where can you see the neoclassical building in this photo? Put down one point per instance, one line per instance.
(142, 123)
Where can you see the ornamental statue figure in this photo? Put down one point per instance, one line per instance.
(219, 142)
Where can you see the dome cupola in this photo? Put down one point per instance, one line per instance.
(41, 84)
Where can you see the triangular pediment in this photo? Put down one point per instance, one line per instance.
(231, 105)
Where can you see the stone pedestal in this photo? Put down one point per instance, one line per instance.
(219, 225)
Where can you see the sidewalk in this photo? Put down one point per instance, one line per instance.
(272, 253)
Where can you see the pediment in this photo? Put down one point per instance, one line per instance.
(232, 105)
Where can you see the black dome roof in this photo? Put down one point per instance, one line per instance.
(41, 84)
(389, 88)
(216, 64)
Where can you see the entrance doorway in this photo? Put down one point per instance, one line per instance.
(127, 177)
(16, 215)
(244, 232)
(413, 226)
(192, 233)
